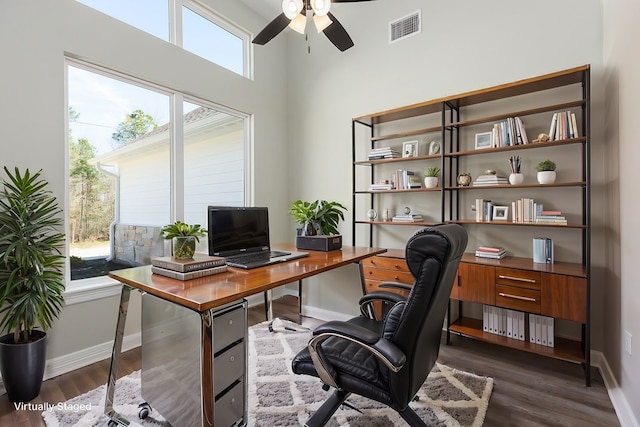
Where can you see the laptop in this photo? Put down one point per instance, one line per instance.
(241, 236)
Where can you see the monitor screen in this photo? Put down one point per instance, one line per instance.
(237, 229)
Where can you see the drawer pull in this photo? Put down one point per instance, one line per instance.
(502, 294)
(517, 279)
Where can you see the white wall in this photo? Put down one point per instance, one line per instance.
(622, 299)
(34, 38)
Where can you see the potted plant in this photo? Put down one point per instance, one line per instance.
(31, 279)
(546, 172)
(184, 238)
(318, 218)
(431, 176)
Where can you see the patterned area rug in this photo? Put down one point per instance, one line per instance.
(277, 397)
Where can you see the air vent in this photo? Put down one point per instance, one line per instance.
(404, 27)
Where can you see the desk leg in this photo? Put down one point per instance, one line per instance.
(268, 300)
(207, 368)
(115, 355)
(300, 298)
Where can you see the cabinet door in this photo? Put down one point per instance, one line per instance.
(476, 283)
(564, 297)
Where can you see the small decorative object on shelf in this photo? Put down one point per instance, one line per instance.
(387, 214)
(372, 214)
(431, 176)
(184, 238)
(434, 147)
(516, 177)
(410, 149)
(542, 137)
(464, 179)
(546, 172)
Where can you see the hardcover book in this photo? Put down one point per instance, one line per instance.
(198, 262)
(190, 274)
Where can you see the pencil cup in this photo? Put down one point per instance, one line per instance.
(516, 178)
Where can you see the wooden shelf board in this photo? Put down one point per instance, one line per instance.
(516, 147)
(564, 349)
(555, 184)
(418, 223)
(397, 159)
(516, 224)
(409, 190)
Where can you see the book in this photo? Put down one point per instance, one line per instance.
(190, 274)
(198, 262)
(492, 249)
(552, 128)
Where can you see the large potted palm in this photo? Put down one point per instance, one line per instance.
(31, 279)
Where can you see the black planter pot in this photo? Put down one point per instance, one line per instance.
(22, 366)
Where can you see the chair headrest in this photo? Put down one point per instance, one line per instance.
(435, 242)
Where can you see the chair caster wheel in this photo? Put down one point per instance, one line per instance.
(143, 410)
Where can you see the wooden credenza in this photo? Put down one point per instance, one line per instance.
(556, 290)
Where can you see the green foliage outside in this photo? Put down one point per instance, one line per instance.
(134, 126)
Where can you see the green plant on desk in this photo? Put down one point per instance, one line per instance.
(319, 217)
(184, 237)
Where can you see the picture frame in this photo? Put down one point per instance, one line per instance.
(484, 140)
(500, 213)
(410, 149)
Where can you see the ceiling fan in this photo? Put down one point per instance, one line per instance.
(294, 15)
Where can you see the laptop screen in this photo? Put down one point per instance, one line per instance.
(235, 230)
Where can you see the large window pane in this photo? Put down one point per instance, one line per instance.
(214, 162)
(119, 177)
(210, 41)
(151, 16)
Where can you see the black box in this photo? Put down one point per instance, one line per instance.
(319, 243)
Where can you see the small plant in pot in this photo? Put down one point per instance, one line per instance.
(184, 238)
(31, 279)
(319, 217)
(546, 172)
(431, 176)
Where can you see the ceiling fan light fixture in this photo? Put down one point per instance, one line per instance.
(321, 22)
(292, 8)
(321, 7)
(298, 23)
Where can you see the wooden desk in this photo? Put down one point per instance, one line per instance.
(205, 295)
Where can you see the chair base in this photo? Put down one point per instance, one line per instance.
(338, 397)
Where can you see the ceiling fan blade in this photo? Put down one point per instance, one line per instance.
(337, 34)
(272, 29)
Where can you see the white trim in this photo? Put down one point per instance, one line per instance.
(618, 399)
(79, 359)
(86, 290)
(322, 314)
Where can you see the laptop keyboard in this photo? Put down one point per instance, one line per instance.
(255, 257)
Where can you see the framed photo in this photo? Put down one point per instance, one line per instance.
(483, 140)
(500, 213)
(410, 149)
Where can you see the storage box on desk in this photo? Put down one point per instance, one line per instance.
(319, 243)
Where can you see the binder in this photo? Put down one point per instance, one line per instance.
(550, 332)
(521, 326)
(538, 323)
(532, 328)
(485, 320)
(543, 329)
(509, 324)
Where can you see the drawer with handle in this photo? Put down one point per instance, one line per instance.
(384, 275)
(519, 278)
(389, 263)
(518, 298)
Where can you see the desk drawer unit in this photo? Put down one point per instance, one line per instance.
(171, 362)
(518, 289)
(385, 268)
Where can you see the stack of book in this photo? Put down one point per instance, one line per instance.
(508, 132)
(483, 209)
(405, 179)
(550, 217)
(494, 252)
(381, 186)
(541, 330)
(543, 250)
(488, 180)
(186, 269)
(563, 126)
(505, 322)
(383, 153)
(407, 218)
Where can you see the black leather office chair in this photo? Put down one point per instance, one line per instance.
(389, 360)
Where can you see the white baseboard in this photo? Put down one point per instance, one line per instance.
(618, 399)
(72, 361)
(319, 313)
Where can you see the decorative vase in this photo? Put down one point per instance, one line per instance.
(516, 178)
(546, 177)
(464, 179)
(431, 181)
(184, 247)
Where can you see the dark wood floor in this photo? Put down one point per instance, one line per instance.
(529, 390)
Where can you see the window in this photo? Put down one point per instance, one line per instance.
(121, 169)
(201, 31)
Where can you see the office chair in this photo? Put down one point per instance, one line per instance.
(388, 360)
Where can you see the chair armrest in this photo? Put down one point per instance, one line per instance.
(396, 285)
(383, 349)
(367, 300)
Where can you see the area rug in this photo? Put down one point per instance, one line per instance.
(277, 397)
